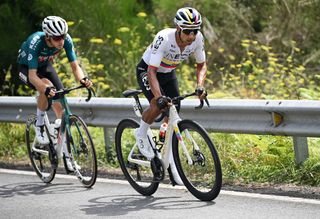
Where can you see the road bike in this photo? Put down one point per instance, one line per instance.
(194, 154)
(72, 143)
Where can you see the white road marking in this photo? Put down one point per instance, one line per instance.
(224, 192)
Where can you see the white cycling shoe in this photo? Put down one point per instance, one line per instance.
(41, 134)
(144, 145)
(69, 165)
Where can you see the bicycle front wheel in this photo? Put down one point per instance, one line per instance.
(202, 176)
(135, 167)
(82, 152)
(38, 154)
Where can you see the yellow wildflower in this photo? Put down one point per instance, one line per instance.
(231, 57)
(123, 29)
(142, 14)
(96, 40)
(70, 23)
(117, 41)
(75, 40)
(100, 66)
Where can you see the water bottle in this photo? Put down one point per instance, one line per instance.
(56, 126)
(162, 132)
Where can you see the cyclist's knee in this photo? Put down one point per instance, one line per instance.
(47, 82)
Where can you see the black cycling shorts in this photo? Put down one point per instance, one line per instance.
(46, 71)
(168, 83)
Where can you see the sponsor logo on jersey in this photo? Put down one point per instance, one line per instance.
(30, 57)
(22, 54)
(34, 42)
(23, 77)
(158, 43)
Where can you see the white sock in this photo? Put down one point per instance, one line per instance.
(142, 131)
(40, 116)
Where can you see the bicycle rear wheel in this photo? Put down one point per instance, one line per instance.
(135, 167)
(82, 152)
(38, 154)
(203, 178)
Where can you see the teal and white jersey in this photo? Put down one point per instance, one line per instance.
(35, 52)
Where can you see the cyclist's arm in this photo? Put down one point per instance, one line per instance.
(200, 56)
(153, 81)
(77, 70)
(201, 73)
(159, 45)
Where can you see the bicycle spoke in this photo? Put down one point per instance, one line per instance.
(134, 165)
(39, 160)
(82, 152)
(203, 175)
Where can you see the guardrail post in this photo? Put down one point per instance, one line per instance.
(108, 140)
(300, 149)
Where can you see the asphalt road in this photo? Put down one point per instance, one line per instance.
(23, 195)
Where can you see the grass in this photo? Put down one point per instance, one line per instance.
(245, 158)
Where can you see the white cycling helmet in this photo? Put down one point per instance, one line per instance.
(54, 26)
(188, 18)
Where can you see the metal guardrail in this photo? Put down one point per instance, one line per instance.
(297, 118)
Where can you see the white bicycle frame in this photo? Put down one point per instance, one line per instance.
(167, 158)
(59, 146)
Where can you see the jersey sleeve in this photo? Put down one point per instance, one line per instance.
(157, 49)
(33, 48)
(199, 53)
(69, 48)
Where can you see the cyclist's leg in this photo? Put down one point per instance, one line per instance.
(150, 113)
(52, 75)
(42, 101)
(143, 139)
(170, 87)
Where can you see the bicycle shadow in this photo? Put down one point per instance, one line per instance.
(37, 188)
(120, 205)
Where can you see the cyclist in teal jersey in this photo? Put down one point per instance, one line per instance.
(35, 66)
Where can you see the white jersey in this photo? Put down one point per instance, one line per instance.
(164, 52)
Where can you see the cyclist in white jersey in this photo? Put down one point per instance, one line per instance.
(156, 70)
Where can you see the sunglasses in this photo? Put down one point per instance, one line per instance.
(58, 38)
(189, 31)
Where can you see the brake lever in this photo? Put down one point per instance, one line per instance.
(200, 106)
(207, 102)
(90, 92)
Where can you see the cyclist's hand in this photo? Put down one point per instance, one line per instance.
(50, 92)
(201, 92)
(162, 102)
(86, 82)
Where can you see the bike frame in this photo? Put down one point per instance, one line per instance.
(174, 119)
(60, 146)
(62, 131)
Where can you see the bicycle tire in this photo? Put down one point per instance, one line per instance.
(139, 177)
(81, 150)
(204, 177)
(40, 161)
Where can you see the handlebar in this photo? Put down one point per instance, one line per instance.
(62, 92)
(175, 99)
